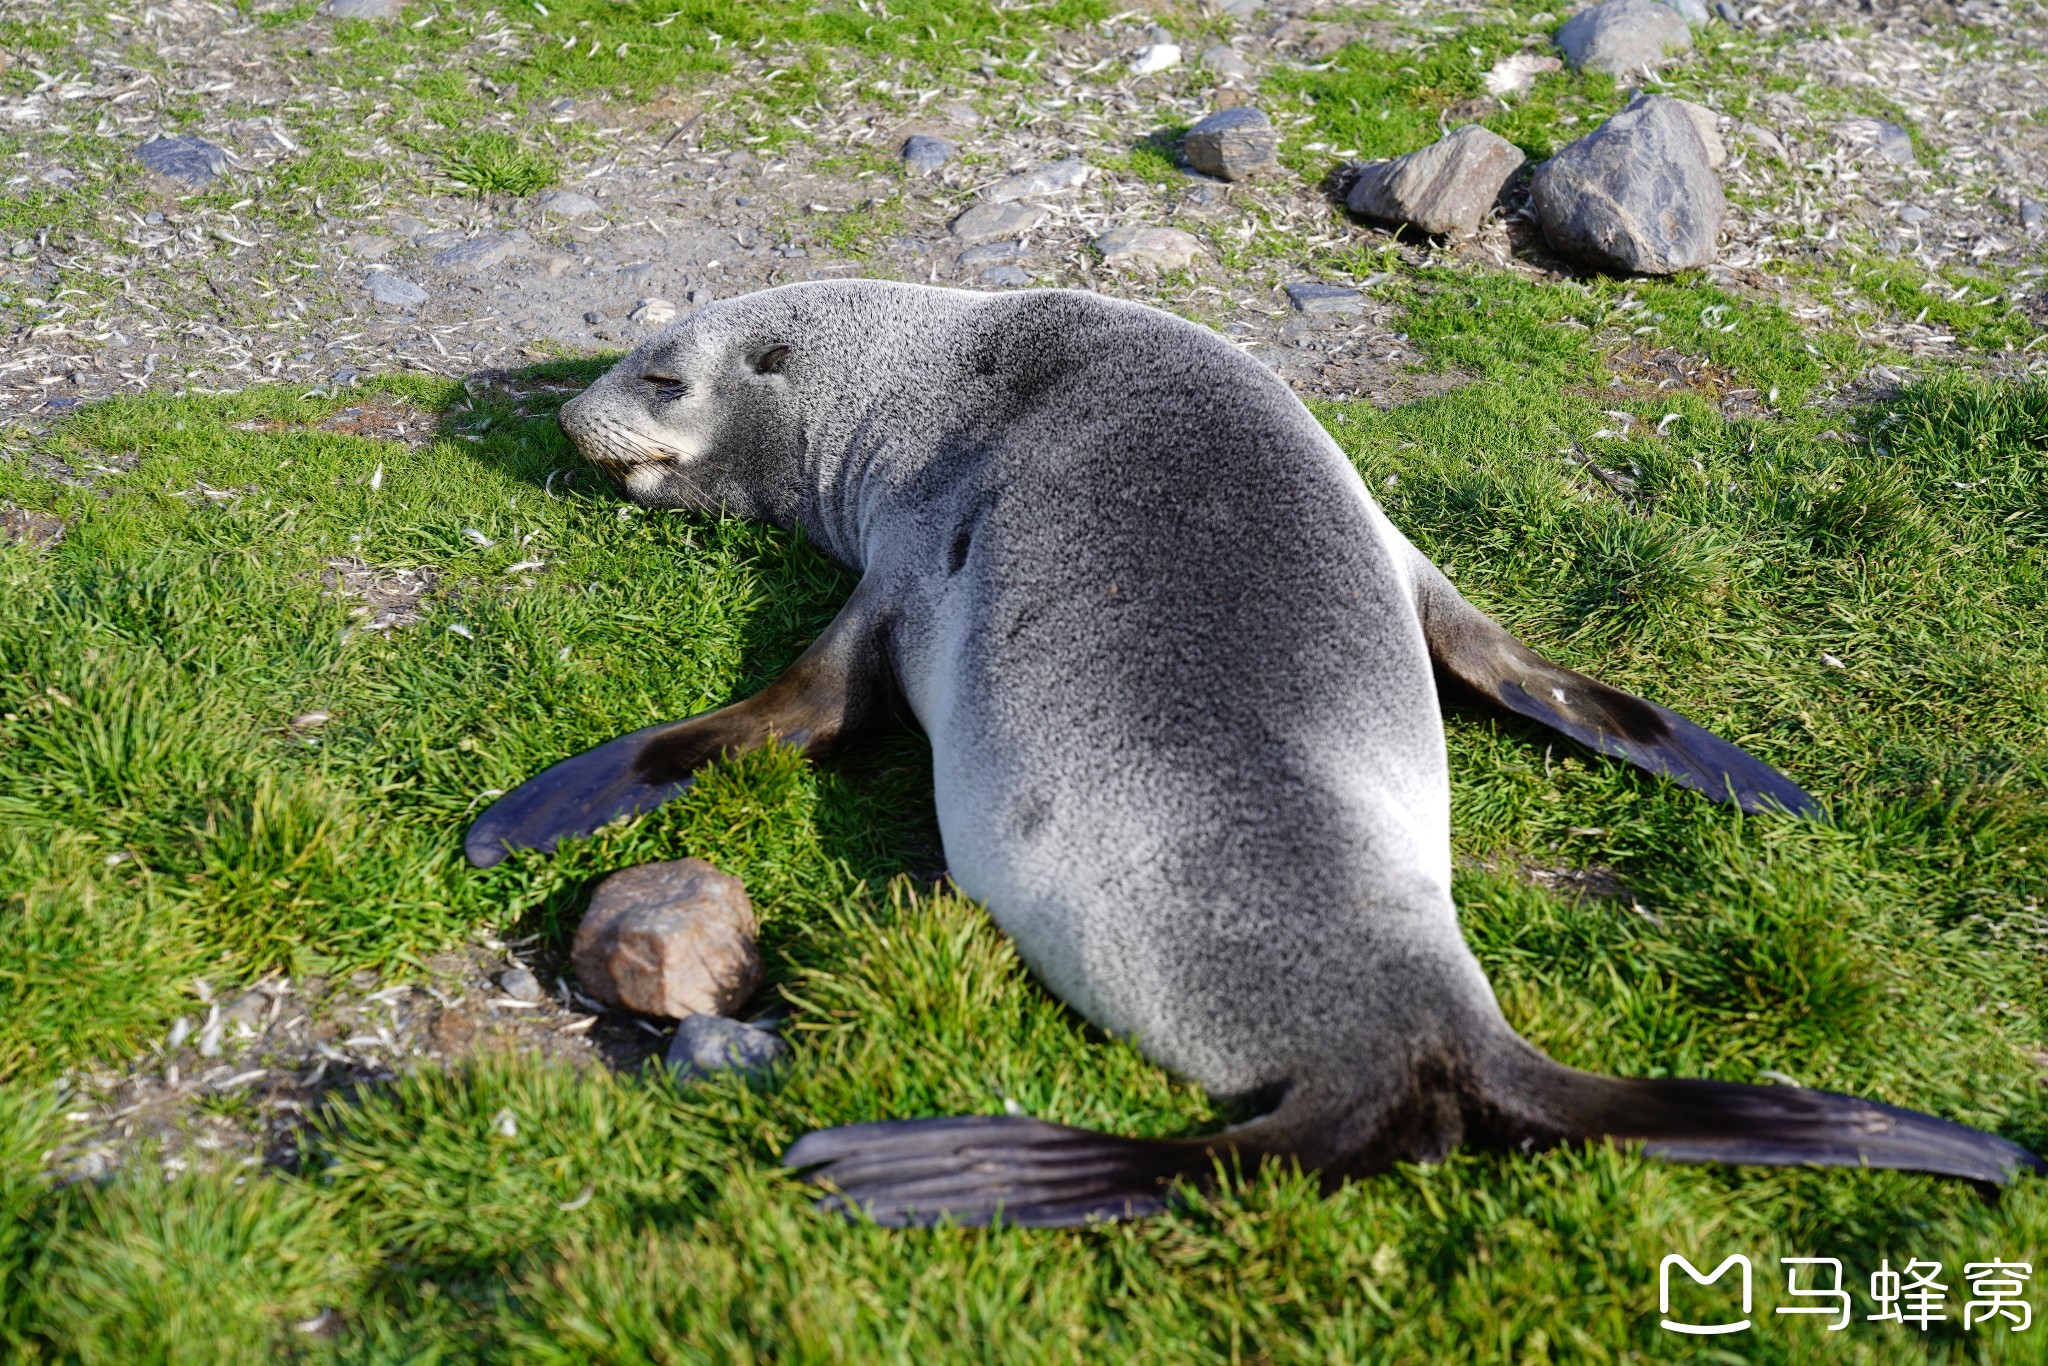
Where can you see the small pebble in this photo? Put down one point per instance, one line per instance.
(991, 254)
(1314, 297)
(1055, 178)
(521, 985)
(594, 317)
(477, 254)
(925, 155)
(652, 312)
(394, 290)
(568, 204)
(1164, 248)
(1006, 276)
(194, 161)
(705, 1044)
(997, 220)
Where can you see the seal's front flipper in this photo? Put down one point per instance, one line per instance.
(837, 686)
(1474, 657)
(978, 1169)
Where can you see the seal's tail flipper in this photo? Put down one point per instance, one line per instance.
(1767, 1126)
(978, 1169)
(837, 685)
(1474, 656)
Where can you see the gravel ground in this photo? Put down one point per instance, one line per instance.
(176, 292)
(684, 210)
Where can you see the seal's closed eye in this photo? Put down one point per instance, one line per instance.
(667, 388)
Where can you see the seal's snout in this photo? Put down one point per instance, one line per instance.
(569, 419)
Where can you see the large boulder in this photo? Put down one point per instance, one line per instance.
(1445, 187)
(1634, 195)
(1622, 36)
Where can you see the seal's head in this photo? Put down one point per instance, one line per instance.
(704, 416)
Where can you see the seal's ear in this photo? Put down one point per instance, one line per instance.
(770, 362)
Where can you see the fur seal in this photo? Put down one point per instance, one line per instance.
(1180, 676)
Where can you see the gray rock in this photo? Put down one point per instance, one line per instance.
(1006, 276)
(195, 161)
(1620, 36)
(1160, 248)
(1729, 14)
(568, 204)
(1708, 125)
(365, 246)
(1311, 297)
(477, 254)
(1882, 136)
(705, 1044)
(1912, 215)
(997, 220)
(1225, 61)
(394, 291)
(1635, 194)
(364, 9)
(1240, 9)
(673, 939)
(1694, 12)
(2032, 217)
(1447, 186)
(1232, 143)
(652, 313)
(594, 316)
(925, 155)
(991, 254)
(1050, 179)
(521, 985)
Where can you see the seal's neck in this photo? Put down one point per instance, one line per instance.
(876, 451)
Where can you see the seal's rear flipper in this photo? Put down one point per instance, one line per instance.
(836, 686)
(1473, 656)
(980, 1169)
(1727, 1122)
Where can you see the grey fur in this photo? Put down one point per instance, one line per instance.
(1169, 653)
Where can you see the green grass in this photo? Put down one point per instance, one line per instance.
(159, 821)
(149, 662)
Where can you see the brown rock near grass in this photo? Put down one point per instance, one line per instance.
(672, 939)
